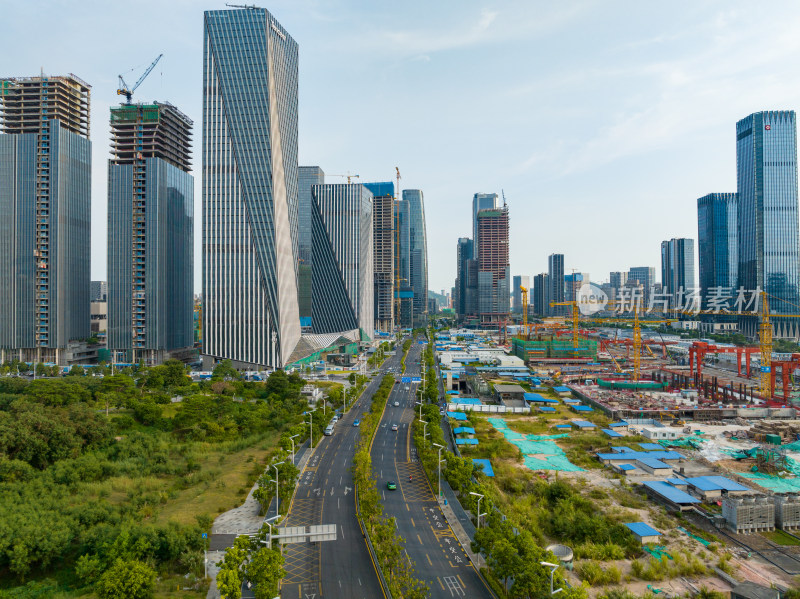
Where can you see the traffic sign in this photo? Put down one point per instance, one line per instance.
(205, 535)
(405, 379)
(416, 379)
(766, 369)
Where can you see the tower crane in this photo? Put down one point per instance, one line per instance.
(524, 291)
(124, 90)
(348, 176)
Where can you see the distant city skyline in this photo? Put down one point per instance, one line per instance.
(628, 102)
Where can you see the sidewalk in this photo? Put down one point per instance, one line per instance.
(243, 520)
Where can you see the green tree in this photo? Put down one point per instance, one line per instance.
(265, 570)
(225, 371)
(504, 561)
(127, 579)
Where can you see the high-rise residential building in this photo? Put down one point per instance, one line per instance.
(516, 293)
(555, 271)
(383, 253)
(464, 252)
(541, 294)
(717, 242)
(481, 201)
(98, 291)
(418, 254)
(494, 277)
(150, 234)
(677, 269)
(645, 276)
(45, 198)
(572, 284)
(342, 297)
(403, 291)
(250, 189)
(769, 251)
(307, 177)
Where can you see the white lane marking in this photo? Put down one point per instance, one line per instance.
(342, 529)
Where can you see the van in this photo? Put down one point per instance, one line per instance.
(329, 430)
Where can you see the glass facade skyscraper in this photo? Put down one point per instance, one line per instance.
(150, 234)
(308, 177)
(677, 267)
(250, 189)
(463, 299)
(45, 203)
(766, 177)
(555, 272)
(717, 241)
(342, 297)
(383, 234)
(516, 294)
(418, 254)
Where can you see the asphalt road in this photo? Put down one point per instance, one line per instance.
(437, 556)
(341, 568)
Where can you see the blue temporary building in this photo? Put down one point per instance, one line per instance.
(651, 446)
(626, 467)
(644, 532)
(620, 424)
(584, 424)
(653, 464)
(457, 415)
(466, 441)
(536, 398)
(609, 433)
(715, 483)
(563, 427)
(581, 408)
(622, 449)
(547, 409)
(669, 492)
(487, 466)
(639, 455)
(464, 429)
(473, 401)
(562, 389)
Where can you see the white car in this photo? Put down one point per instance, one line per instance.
(397, 404)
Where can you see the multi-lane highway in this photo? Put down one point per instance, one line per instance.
(438, 558)
(341, 568)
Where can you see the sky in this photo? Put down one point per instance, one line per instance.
(602, 122)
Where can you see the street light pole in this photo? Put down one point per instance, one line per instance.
(479, 496)
(424, 429)
(292, 440)
(420, 409)
(311, 430)
(553, 568)
(277, 498)
(439, 467)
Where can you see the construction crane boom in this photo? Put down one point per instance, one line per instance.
(348, 175)
(124, 90)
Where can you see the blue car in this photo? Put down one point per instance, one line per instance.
(356, 422)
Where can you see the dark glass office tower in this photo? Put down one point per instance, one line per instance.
(677, 268)
(251, 310)
(150, 234)
(555, 272)
(383, 235)
(308, 177)
(418, 254)
(766, 176)
(45, 203)
(717, 241)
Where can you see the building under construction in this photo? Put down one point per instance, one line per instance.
(538, 350)
(493, 267)
(749, 514)
(150, 233)
(383, 257)
(45, 183)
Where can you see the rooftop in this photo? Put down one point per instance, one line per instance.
(640, 529)
(669, 492)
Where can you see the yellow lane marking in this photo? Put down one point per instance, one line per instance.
(429, 559)
(461, 581)
(412, 523)
(420, 540)
(440, 582)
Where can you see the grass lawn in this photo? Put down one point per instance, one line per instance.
(781, 538)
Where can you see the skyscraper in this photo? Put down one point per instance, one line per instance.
(717, 241)
(481, 201)
(646, 277)
(494, 277)
(251, 311)
(677, 268)
(150, 233)
(418, 254)
(307, 176)
(342, 297)
(766, 177)
(464, 252)
(383, 253)
(555, 271)
(516, 293)
(45, 198)
(541, 294)
(617, 279)
(403, 291)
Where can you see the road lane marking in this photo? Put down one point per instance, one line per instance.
(412, 523)
(429, 559)
(461, 581)
(440, 582)
(420, 539)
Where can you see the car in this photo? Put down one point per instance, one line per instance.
(397, 404)
(391, 485)
(394, 427)
(356, 422)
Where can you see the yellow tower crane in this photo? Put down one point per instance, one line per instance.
(524, 291)
(348, 176)
(575, 318)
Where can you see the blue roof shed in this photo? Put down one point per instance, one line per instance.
(546, 409)
(457, 415)
(609, 433)
(464, 429)
(670, 493)
(487, 466)
(644, 532)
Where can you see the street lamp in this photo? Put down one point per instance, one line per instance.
(553, 568)
(277, 499)
(420, 408)
(268, 522)
(479, 496)
(439, 466)
(424, 429)
(292, 440)
(311, 429)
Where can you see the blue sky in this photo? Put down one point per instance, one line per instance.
(603, 122)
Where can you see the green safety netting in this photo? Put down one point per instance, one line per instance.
(630, 385)
(695, 537)
(549, 455)
(792, 446)
(657, 551)
(774, 483)
(690, 442)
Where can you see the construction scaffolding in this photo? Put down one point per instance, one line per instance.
(532, 350)
(28, 103)
(383, 260)
(787, 512)
(749, 514)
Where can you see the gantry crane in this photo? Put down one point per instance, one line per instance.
(124, 90)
